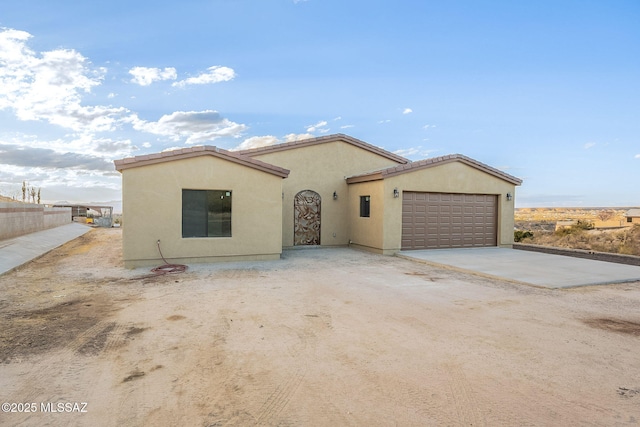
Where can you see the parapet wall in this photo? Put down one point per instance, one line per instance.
(17, 219)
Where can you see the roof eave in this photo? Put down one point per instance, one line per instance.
(324, 139)
(376, 176)
(140, 161)
(428, 163)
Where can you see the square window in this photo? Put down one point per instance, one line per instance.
(206, 213)
(365, 206)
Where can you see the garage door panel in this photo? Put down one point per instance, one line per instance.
(441, 220)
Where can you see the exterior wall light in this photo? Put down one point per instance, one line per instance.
(396, 193)
(509, 197)
(335, 196)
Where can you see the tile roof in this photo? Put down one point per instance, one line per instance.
(321, 140)
(206, 150)
(435, 161)
(633, 213)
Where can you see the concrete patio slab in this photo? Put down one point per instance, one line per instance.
(22, 249)
(538, 269)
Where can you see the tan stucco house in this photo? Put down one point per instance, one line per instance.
(208, 204)
(632, 216)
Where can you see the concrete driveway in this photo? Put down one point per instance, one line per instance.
(538, 269)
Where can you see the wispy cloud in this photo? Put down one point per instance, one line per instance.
(145, 76)
(426, 127)
(637, 156)
(264, 141)
(257, 142)
(589, 145)
(215, 74)
(415, 153)
(407, 111)
(18, 155)
(318, 127)
(196, 126)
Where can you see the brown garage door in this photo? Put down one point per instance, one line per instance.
(442, 220)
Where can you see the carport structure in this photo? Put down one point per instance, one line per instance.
(104, 217)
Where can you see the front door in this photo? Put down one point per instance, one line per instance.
(306, 221)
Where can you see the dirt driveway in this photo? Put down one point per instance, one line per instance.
(324, 337)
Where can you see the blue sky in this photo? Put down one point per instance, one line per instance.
(548, 91)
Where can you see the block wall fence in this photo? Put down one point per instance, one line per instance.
(17, 219)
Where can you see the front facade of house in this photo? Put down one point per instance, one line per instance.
(207, 204)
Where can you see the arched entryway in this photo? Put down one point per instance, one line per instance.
(306, 218)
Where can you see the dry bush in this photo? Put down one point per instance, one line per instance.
(626, 241)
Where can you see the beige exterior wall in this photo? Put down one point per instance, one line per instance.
(323, 168)
(454, 177)
(152, 210)
(367, 233)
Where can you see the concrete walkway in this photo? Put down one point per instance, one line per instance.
(22, 249)
(538, 269)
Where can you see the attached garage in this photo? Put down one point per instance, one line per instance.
(446, 202)
(448, 220)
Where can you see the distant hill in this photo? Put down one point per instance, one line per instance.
(8, 199)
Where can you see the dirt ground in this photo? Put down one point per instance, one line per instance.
(323, 337)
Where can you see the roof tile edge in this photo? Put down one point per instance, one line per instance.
(321, 140)
(430, 162)
(184, 153)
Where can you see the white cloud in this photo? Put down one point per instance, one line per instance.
(346, 126)
(637, 156)
(196, 126)
(257, 142)
(318, 127)
(49, 86)
(407, 111)
(425, 127)
(415, 153)
(589, 145)
(292, 137)
(384, 121)
(53, 87)
(215, 74)
(267, 140)
(145, 76)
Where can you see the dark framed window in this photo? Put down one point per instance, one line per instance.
(206, 213)
(629, 219)
(365, 206)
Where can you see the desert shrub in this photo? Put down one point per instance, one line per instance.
(583, 225)
(520, 235)
(576, 228)
(625, 241)
(630, 243)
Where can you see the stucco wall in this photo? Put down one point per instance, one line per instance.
(455, 177)
(17, 219)
(322, 168)
(367, 232)
(152, 210)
